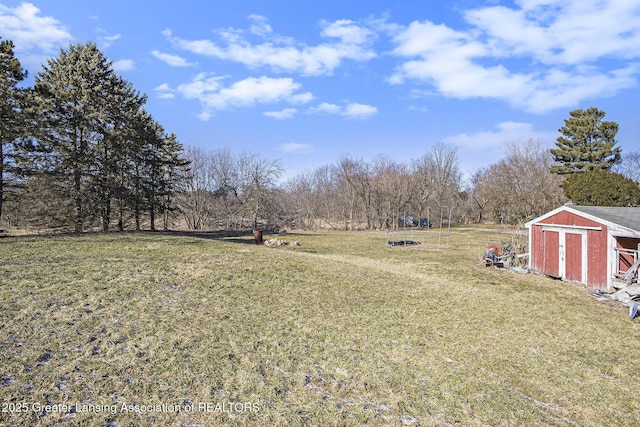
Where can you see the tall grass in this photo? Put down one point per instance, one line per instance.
(342, 330)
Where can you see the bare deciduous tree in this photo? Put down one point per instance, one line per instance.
(517, 186)
(354, 181)
(196, 202)
(437, 180)
(392, 185)
(257, 176)
(305, 198)
(630, 166)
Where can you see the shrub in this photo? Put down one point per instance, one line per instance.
(601, 188)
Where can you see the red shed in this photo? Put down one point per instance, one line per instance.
(592, 245)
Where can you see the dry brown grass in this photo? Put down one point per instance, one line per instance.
(340, 331)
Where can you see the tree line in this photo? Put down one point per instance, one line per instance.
(78, 151)
(585, 167)
(355, 194)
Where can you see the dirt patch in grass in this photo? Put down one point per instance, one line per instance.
(341, 331)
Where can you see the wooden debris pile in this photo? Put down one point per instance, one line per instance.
(629, 292)
(504, 255)
(276, 242)
(629, 276)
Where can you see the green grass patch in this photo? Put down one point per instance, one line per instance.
(342, 330)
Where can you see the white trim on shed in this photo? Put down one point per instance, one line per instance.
(614, 230)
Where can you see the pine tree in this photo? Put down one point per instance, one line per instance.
(163, 163)
(112, 152)
(11, 100)
(174, 172)
(96, 145)
(73, 92)
(587, 143)
(126, 151)
(141, 149)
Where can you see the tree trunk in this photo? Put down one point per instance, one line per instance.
(165, 217)
(152, 212)
(136, 202)
(1, 180)
(121, 215)
(106, 191)
(106, 213)
(78, 199)
(136, 213)
(152, 217)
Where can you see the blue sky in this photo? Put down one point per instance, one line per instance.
(308, 82)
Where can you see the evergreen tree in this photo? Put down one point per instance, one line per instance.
(143, 133)
(163, 162)
(113, 151)
(174, 172)
(128, 153)
(587, 143)
(94, 145)
(73, 92)
(602, 188)
(11, 120)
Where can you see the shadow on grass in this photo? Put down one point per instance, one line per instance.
(232, 236)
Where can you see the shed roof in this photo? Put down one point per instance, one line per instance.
(625, 221)
(626, 217)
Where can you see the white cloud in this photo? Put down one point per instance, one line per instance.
(30, 31)
(260, 25)
(201, 47)
(251, 91)
(446, 60)
(204, 116)
(348, 32)
(172, 60)
(286, 113)
(562, 89)
(301, 98)
(294, 147)
(561, 32)
(360, 111)
(504, 133)
(538, 56)
(352, 110)
(486, 147)
(163, 91)
(201, 85)
(214, 95)
(124, 65)
(106, 40)
(326, 108)
(346, 41)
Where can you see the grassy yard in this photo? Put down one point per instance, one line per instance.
(185, 330)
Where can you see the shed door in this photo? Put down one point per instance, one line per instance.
(565, 253)
(573, 257)
(551, 253)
